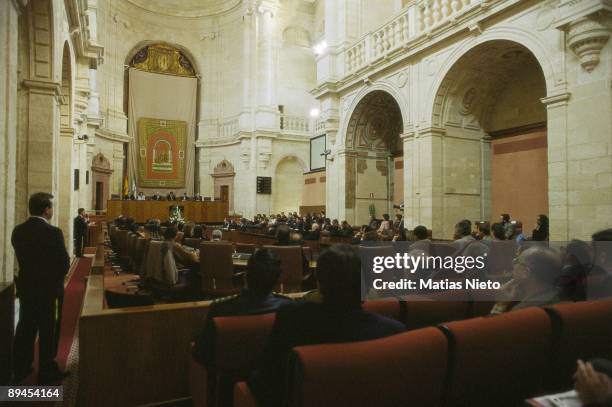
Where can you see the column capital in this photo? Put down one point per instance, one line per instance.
(431, 132)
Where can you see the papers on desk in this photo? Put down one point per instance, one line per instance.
(566, 399)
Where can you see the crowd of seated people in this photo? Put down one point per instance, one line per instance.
(540, 276)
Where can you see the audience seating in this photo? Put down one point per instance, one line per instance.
(498, 360)
(292, 267)
(389, 308)
(217, 269)
(582, 330)
(245, 248)
(442, 249)
(239, 341)
(380, 372)
(435, 309)
(154, 261)
(243, 397)
(192, 242)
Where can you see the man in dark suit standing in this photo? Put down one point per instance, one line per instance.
(43, 264)
(80, 231)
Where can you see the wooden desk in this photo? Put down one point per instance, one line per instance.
(193, 211)
(243, 263)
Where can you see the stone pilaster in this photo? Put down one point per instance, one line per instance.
(9, 14)
(428, 199)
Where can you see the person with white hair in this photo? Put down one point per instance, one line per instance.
(217, 235)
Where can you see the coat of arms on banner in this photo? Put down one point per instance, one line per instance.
(161, 159)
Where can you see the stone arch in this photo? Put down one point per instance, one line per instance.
(223, 180)
(553, 73)
(164, 58)
(359, 96)
(287, 184)
(66, 176)
(66, 100)
(491, 89)
(143, 45)
(373, 151)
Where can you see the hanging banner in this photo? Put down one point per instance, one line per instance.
(161, 157)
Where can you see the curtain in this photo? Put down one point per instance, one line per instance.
(165, 97)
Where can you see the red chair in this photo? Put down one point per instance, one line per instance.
(389, 308)
(243, 397)
(582, 330)
(381, 372)
(292, 267)
(499, 360)
(435, 308)
(239, 342)
(483, 302)
(217, 269)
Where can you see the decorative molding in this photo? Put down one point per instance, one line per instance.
(556, 100)
(586, 37)
(113, 135)
(43, 87)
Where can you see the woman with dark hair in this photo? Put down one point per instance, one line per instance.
(541, 230)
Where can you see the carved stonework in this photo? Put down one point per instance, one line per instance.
(224, 169)
(362, 166)
(382, 167)
(351, 177)
(163, 58)
(101, 164)
(586, 37)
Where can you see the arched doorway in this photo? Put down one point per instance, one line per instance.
(493, 152)
(100, 177)
(287, 185)
(66, 184)
(223, 175)
(373, 158)
(161, 102)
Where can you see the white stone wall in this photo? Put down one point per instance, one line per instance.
(440, 190)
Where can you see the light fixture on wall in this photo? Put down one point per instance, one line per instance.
(320, 48)
(315, 112)
(84, 137)
(325, 153)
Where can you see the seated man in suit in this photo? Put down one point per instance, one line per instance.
(171, 196)
(156, 197)
(535, 276)
(339, 318)
(263, 272)
(184, 197)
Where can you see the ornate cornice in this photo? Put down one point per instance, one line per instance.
(113, 135)
(586, 37)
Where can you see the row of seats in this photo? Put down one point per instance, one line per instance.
(483, 361)
(142, 256)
